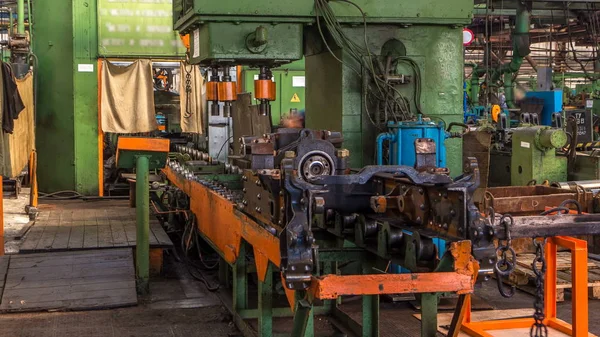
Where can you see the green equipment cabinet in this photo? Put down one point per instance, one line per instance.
(534, 155)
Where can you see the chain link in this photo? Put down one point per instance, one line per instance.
(188, 87)
(539, 329)
(504, 265)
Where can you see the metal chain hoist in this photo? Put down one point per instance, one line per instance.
(188, 87)
(504, 265)
(539, 329)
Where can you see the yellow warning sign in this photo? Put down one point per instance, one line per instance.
(295, 99)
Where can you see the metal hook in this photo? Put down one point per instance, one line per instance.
(502, 289)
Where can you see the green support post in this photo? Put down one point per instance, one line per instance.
(240, 281)
(223, 272)
(21, 16)
(265, 304)
(303, 325)
(429, 306)
(142, 249)
(370, 316)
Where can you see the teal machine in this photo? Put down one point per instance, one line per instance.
(401, 137)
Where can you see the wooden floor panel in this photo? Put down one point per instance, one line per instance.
(74, 280)
(61, 230)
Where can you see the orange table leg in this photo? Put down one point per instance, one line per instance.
(1, 218)
(550, 279)
(579, 272)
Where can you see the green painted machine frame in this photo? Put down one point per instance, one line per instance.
(290, 80)
(278, 32)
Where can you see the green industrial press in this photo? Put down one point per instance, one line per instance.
(414, 46)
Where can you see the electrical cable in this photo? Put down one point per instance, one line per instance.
(379, 88)
(57, 195)
(223, 146)
(190, 265)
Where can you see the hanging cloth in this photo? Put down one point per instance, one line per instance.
(127, 99)
(191, 104)
(22, 141)
(12, 104)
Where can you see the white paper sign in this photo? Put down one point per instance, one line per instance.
(85, 68)
(525, 145)
(196, 43)
(298, 81)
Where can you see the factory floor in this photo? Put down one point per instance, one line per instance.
(173, 309)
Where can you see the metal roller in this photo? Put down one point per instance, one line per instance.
(587, 185)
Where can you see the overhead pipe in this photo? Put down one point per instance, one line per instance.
(532, 62)
(521, 44)
(509, 93)
(476, 75)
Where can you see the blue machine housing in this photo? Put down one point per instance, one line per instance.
(553, 102)
(402, 136)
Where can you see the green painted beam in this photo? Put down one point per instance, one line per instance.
(55, 125)
(67, 103)
(85, 96)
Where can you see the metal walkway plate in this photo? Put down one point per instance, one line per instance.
(75, 280)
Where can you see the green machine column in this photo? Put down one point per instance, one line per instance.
(55, 140)
(85, 96)
(66, 122)
(430, 31)
(334, 92)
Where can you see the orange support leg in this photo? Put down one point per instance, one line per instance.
(1, 218)
(579, 328)
(31, 209)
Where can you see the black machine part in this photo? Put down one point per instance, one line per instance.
(305, 175)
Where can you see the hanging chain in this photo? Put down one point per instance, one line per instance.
(188, 87)
(539, 329)
(504, 265)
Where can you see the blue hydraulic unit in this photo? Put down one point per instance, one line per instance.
(401, 137)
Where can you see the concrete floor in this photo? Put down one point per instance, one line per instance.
(181, 306)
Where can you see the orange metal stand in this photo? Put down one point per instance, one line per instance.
(1, 218)
(33, 194)
(579, 271)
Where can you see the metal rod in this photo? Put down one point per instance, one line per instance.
(550, 226)
(142, 250)
(21, 16)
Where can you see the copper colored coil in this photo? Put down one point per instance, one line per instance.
(264, 89)
(227, 91)
(212, 93)
(273, 91)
